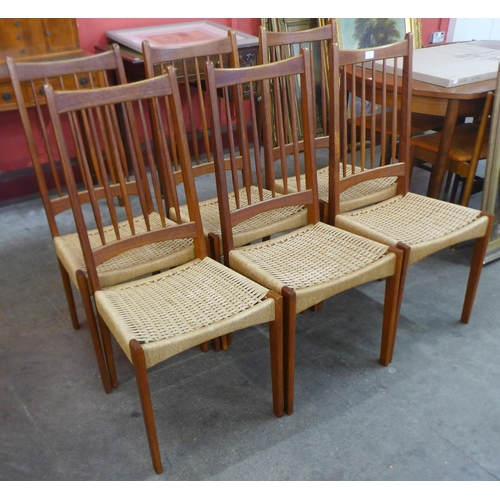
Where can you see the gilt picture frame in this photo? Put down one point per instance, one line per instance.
(363, 33)
(491, 191)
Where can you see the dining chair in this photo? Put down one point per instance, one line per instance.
(27, 81)
(190, 62)
(96, 71)
(198, 299)
(274, 46)
(469, 145)
(419, 225)
(316, 261)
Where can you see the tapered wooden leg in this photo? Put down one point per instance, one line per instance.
(108, 351)
(214, 245)
(404, 271)
(391, 311)
(205, 347)
(276, 351)
(141, 377)
(289, 327)
(216, 344)
(316, 307)
(323, 211)
(70, 299)
(94, 333)
(476, 267)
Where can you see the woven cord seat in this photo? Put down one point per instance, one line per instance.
(127, 265)
(254, 228)
(352, 198)
(181, 308)
(337, 260)
(425, 224)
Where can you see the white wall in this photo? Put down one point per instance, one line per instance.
(464, 29)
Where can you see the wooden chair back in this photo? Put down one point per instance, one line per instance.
(95, 71)
(189, 63)
(123, 159)
(356, 155)
(276, 46)
(250, 171)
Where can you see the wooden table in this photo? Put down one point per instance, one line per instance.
(463, 100)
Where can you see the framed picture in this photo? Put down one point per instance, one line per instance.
(364, 32)
(288, 25)
(491, 191)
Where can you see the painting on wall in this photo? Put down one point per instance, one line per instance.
(363, 32)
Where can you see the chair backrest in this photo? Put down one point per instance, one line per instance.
(28, 80)
(363, 81)
(138, 177)
(276, 46)
(249, 168)
(189, 62)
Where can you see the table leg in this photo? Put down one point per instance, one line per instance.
(439, 169)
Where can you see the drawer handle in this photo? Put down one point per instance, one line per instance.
(6, 96)
(84, 80)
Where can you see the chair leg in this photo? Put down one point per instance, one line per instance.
(316, 307)
(94, 333)
(476, 267)
(276, 350)
(214, 246)
(454, 189)
(108, 351)
(391, 310)
(70, 299)
(289, 327)
(141, 376)
(404, 271)
(216, 344)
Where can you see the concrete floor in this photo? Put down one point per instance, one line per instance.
(433, 414)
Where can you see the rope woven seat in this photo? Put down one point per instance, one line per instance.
(254, 228)
(130, 264)
(337, 260)
(182, 308)
(357, 196)
(425, 224)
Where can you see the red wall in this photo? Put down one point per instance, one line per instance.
(430, 25)
(13, 150)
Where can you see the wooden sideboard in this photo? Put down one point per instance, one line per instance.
(31, 40)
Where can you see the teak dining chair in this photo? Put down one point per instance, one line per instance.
(95, 71)
(316, 261)
(469, 145)
(198, 299)
(77, 73)
(190, 62)
(274, 46)
(418, 225)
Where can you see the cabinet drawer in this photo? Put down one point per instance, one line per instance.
(84, 82)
